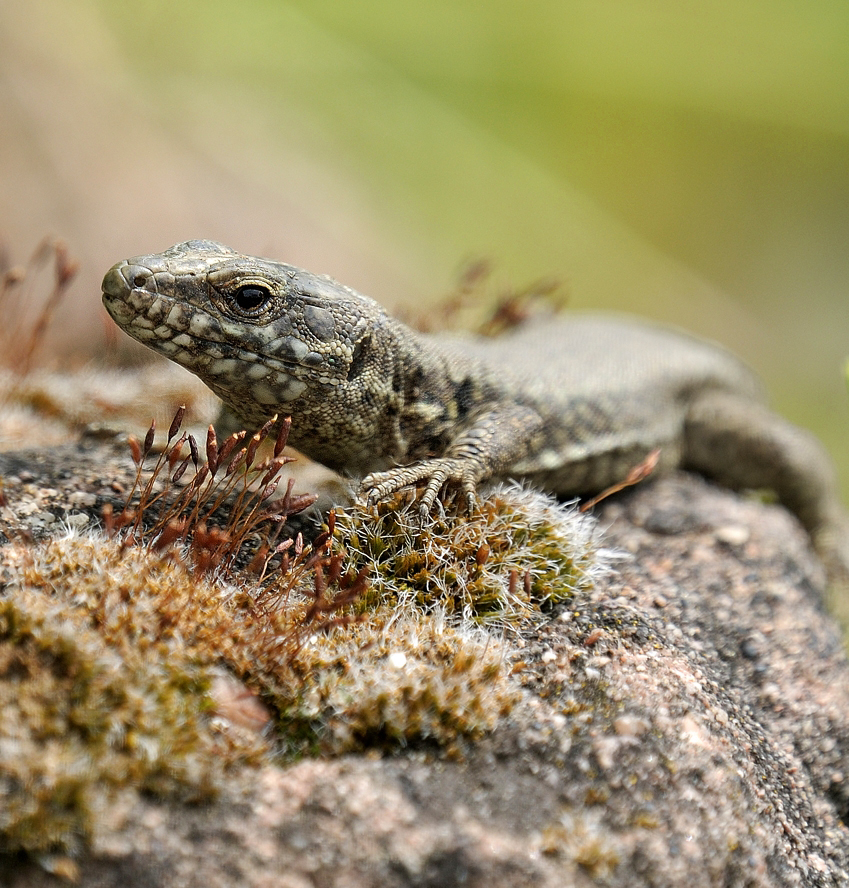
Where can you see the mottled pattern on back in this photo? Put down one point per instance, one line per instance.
(610, 389)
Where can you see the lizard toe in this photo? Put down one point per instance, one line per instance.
(439, 474)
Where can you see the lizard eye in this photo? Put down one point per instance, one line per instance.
(250, 297)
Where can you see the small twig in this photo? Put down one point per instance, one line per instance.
(638, 473)
(17, 281)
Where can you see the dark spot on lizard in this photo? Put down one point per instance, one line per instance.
(313, 359)
(359, 359)
(320, 321)
(464, 398)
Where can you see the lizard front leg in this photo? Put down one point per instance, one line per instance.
(489, 446)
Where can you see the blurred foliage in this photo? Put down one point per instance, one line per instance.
(657, 155)
(695, 124)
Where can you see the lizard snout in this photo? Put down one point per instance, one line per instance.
(123, 277)
(114, 283)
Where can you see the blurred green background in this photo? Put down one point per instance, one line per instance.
(689, 162)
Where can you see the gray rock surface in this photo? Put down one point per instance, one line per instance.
(685, 722)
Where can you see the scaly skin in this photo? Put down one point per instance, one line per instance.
(569, 404)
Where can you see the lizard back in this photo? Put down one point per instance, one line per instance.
(609, 389)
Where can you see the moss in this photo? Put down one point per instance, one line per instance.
(393, 681)
(111, 648)
(578, 837)
(107, 658)
(520, 552)
(100, 690)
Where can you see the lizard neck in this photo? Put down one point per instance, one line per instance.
(437, 390)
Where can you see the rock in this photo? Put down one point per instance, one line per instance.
(683, 722)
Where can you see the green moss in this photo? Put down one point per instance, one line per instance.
(518, 553)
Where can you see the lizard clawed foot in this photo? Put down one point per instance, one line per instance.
(439, 474)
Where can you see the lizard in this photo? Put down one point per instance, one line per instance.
(568, 404)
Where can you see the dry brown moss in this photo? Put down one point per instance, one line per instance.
(103, 684)
(108, 654)
(112, 648)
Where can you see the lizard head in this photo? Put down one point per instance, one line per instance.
(263, 335)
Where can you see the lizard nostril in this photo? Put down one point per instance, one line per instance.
(138, 277)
